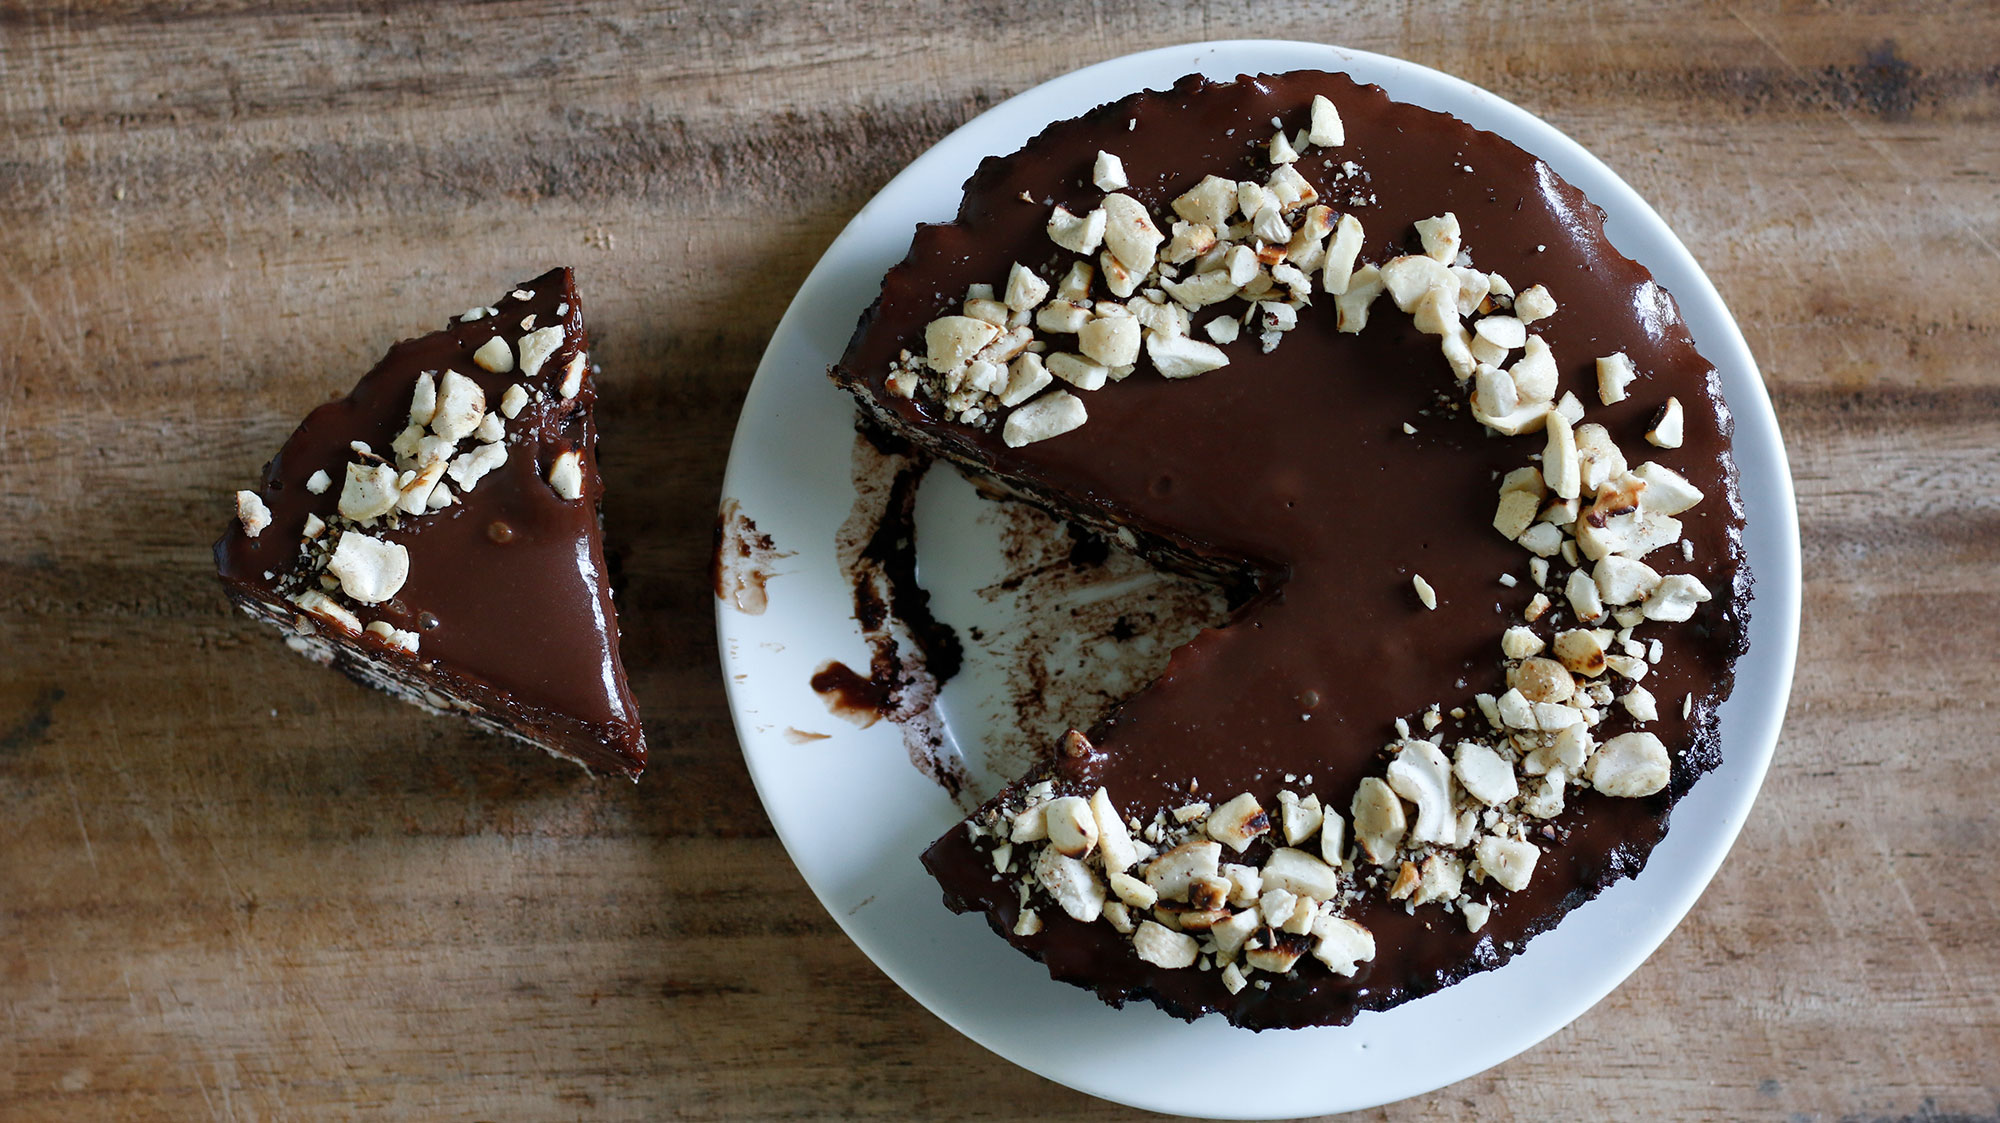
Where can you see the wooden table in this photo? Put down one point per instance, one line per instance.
(236, 886)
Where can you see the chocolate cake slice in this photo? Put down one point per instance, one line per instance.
(435, 533)
(1385, 374)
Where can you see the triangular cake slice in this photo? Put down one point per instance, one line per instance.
(435, 533)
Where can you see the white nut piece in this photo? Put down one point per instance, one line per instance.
(423, 399)
(1630, 765)
(1164, 947)
(1025, 290)
(1030, 824)
(1050, 415)
(1300, 817)
(1299, 873)
(461, 406)
(1077, 370)
(951, 341)
(1108, 173)
(467, 469)
(1667, 427)
(1238, 822)
(1485, 775)
(1533, 304)
(1076, 233)
(252, 513)
(572, 380)
(1231, 934)
(1667, 491)
(1129, 233)
(1422, 775)
(1583, 597)
(1379, 822)
(1133, 892)
(1675, 598)
(1208, 203)
(536, 347)
(1505, 332)
(494, 355)
(1342, 944)
(1110, 340)
(1622, 580)
(1639, 702)
(326, 608)
(1326, 130)
(1171, 873)
(1615, 373)
(1509, 861)
(1073, 885)
(1114, 842)
(1535, 373)
(1182, 357)
(1518, 642)
(1581, 650)
(566, 474)
(513, 401)
(369, 492)
(1072, 826)
(1410, 278)
(1441, 239)
(370, 570)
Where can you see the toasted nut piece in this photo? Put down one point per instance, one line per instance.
(1409, 278)
(1441, 239)
(1639, 702)
(328, 609)
(1351, 306)
(1072, 826)
(467, 469)
(490, 429)
(1230, 934)
(370, 491)
(1279, 957)
(1583, 598)
(1073, 885)
(1422, 775)
(1189, 241)
(1120, 278)
(537, 346)
(1624, 580)
(1172, 872)
(1440, 878)
(1667, 491)
(1208, 893)
(1181, 357)
(1533, 304)
(1030, 824)
(1301, 817)
(1077, 234)
(1300, 873)
(1110, 340)
(951, 341)
(1291, 191)
(987, 309)
(1108, 173)
(1631, 765)
(1666, 428)
(1232, 978)
(494, 355)
(1238, 822)
(252, 513)
(1580, 650)
(1132, 891)
(392, 635)
(1484, 773)
(1511, 862)
(1114, 843)
(1118, 916)
(1379, 822)
(1615, 373)
(1542, 680)
(370, 570)
(1675, 598)
(1342, 944)
(1602, 461)
(415, 498)
(1326, 130)
(1050, 415)
(1190, 919)
(572, 381)
(461, 406)
(1130, 235)
(1163, 947)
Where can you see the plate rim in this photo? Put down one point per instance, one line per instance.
(1778, 579)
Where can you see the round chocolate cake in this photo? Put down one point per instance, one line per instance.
(1383, 375)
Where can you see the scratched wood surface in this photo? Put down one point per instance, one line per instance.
(234, 886)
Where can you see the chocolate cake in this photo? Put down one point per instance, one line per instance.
(435, 533)
(1384, 375)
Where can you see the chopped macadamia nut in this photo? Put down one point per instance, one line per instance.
(1484, 774)
(1025, 290)
(1115, 844)
(326, 608)
(1027, 924)
(318, 482)
(1109, 173)
(1667, 491)
(1297, 872)
(369, 493)
(1511, 862)
(1073, 885)
(1133, 891)
(1441, 238)
(1421, 774)
(566, 474)
(951, 341)
(467, 469)
(1072, 826)
(1281, 148)
(1675, 598)
(1615, 373)
(494, 355)
(1208, 203)
(1379, 821)
(1580, 650)
(1533, 304)
(423, 399)
(1050, 415)
(1163, 947)
(491, 428)
(1300, 817)
(1171, 873)
(1534, 373)
(1342, 944)
(1077, 233)
(1327, 130)
(370, 570)
(1238, 822)
(572, 380)
(461, 406)
(1110, 340)
(252, 513)
(1639, 702)
(1622, 581)
(1631, 765)
(513, 401)
(1181, 357)
(1666, 430)
(537, 346)
(1078, 370)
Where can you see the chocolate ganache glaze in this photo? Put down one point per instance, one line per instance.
(1293, 471)
(507, 592)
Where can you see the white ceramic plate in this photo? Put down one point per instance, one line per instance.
(789, 470)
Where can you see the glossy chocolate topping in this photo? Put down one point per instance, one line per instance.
(1294, 469)
(507, 586)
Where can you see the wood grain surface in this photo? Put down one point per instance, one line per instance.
(235, 886)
